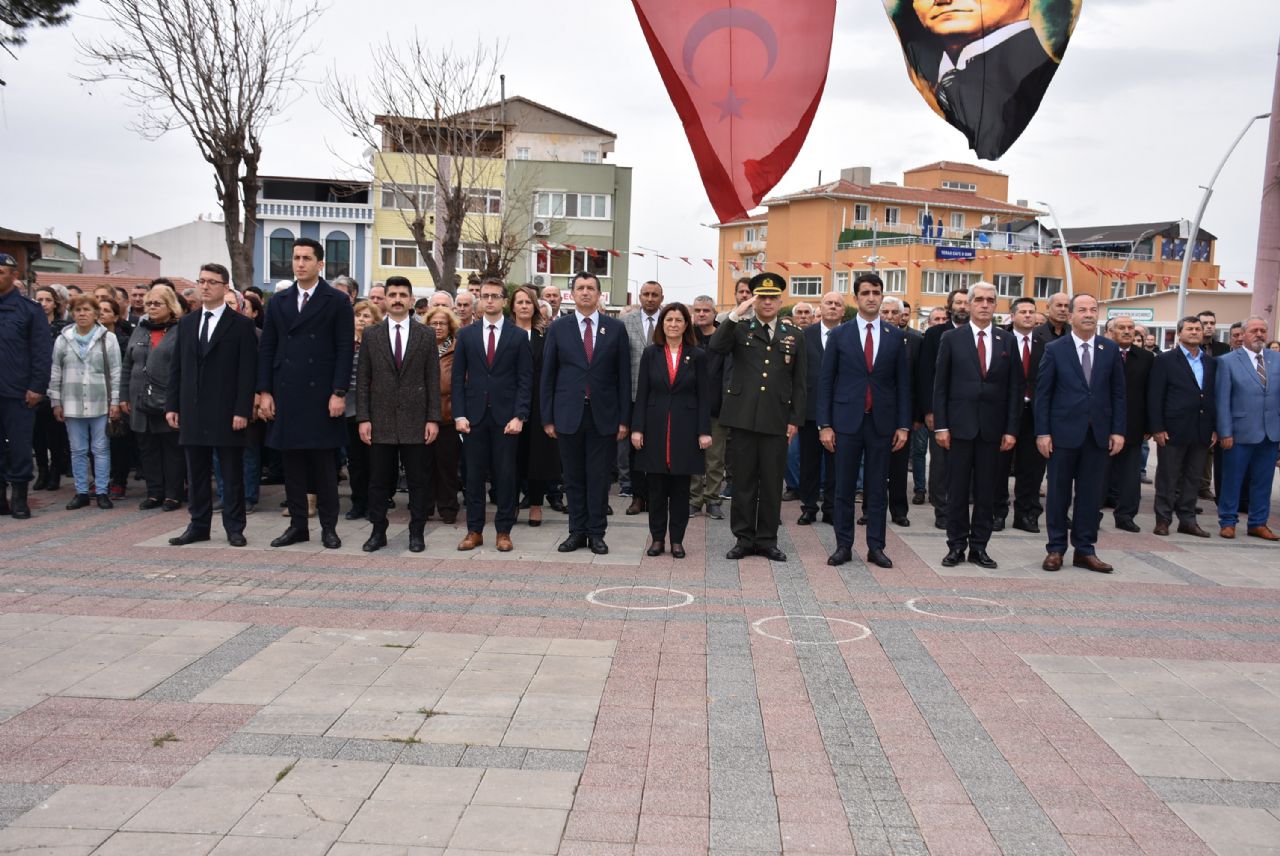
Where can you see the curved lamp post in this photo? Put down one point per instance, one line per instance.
(1062, 239)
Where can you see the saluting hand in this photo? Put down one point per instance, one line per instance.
(745, 306)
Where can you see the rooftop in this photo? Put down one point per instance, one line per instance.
(955, 166)
(1131, 233)
(907, 195)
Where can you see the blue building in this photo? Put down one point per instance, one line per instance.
(335, 212)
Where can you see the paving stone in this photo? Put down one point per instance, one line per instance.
(507, 829)
(88, 807)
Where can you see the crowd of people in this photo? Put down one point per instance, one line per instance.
(494, 396)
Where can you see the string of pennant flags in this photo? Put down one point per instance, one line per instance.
(594, 252)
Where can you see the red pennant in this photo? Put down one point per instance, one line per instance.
(806, 265)
(849, 265)
(825, 265)
(783, 265)
(685, 259)
(1242, 283)
(710, 263)
(745, 82)
(734, 265)
(1165, 279)
(615, 254)
(634, 253)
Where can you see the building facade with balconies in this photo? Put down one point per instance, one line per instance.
(334, 212)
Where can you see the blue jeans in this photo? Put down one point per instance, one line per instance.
(919, 446)
(1257, 459)
(87, 435)
(252, 473)
(792, 479)
(1146, 451)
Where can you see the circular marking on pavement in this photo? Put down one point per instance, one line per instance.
(861, 630)
(997, 612)
(659, 597)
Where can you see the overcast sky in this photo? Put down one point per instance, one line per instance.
(1148, 98)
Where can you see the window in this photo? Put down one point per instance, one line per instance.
(563, 262)
(584, 206)
(895, 281)
(842, 281)
(403, 254)
(280, 263)
(806, 286)
(337, 255)
(472, 256)
(861, 213)
(522, 153)
(1046, 286)
(892, 216)
(957, 220)
(484, 200)
(1117, 289)
(959, 185)
(402, 196)
(590, 156)
(749, 264)
(1009, 285)
(1146, 288)
(749, 234)
(945, 281)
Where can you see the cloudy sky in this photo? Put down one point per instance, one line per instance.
(1149, 96)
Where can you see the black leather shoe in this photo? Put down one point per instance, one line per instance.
(940, 523)
(417, 543)
(829, 517)
(979, 557)
(879, 559)
(292, 535)
(171, 505)
(953, 558)
(862, 520)
(715, 512)
(357, 512)
(105, 503)
(806, 518)
(150, 503)
(1128, 526)
(737, 552)
(80, 500)
(840, 556)
(191, 536)
(997, 525)
(558, 505)
(599, 547)
(655, 549)
(329, 539)
(917, 498)
(236, 539)
(573, 542)
(377, 540)
(1026, 524)
(19, 508)
(773, 554)
(677, 551)
(901, 521)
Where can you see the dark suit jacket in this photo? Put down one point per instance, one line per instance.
(842, 386)
(302, 360)
(715, 372)
(927, 365)
(1215, 348)
(1071, 411)
(1038, 340)
(398, 403)
(970, 406)
(1177, 404)
(566, 375)
(672, 413)
(1137, 372)
(207, 391)
(502, 390)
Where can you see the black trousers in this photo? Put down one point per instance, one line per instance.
(586, 457)
(1028, 473)
(759, 462)
(442, 471)
(1124, 481)
(384, 473)
(121, 456)
(937, 477)
(17, 422)
(491, 456)
(871, 450)
(49, 440)
(357, 466)
(813, 457)
(311, 471)
(1178, 471)
(200, 491)
(971, 464)
(639, 484)
(668, 506)
(163, 464)
(899, 463)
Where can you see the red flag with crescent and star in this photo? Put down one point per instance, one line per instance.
(745, 77)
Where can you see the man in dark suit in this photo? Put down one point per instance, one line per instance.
(210, 401)
(1028, 463)
(864, 414)
(1182, 411)
(1057, 318)
(586, 405)
(1080, 422)
(1124, 478)
(977, 396)
(892, 311)
(764, 407)
(958, 311)
(1211, 476)
(493, 370)
(304, 369)
(705, 488)
(398, 411)
(813, 457)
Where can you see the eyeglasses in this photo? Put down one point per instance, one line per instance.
(210, 282)
(153, 303)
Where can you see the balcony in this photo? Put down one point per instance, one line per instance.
(748, 246)
(331, 212)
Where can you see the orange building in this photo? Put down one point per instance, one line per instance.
(946, 226)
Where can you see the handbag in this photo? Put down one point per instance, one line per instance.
(115, 427)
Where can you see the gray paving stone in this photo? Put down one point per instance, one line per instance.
(360, 749)
(245, 743)
(308, 746)
(506, 757)
(432, 754)
(744, 834)
(563, 760)
(186, 684)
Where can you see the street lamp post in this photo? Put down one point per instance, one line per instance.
(655, 261)
(1190, 250)
(1062, 239)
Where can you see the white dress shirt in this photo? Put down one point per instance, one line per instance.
(826, 333)
(305, 294)
(987, 340)
(981, 46)
(874, 324)
(1079, 343)
(595, 327)
(404, 335)
(213, 322)
(497, 330)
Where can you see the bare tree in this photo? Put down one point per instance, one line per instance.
(435, 135)
(221, 68)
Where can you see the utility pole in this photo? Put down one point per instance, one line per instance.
(1266, 272)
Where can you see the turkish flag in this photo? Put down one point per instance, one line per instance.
(745, 77)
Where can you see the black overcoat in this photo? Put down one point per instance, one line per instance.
(207, 390)
(688, 401)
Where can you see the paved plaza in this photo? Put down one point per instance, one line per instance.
(304, 702)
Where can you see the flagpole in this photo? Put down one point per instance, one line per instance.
(1266, 272)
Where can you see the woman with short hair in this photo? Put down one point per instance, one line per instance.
(443, 455)
(144, 393)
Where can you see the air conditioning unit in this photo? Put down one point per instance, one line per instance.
(542, 227)
(539, 280)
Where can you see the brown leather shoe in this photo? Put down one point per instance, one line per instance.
(503, 542)
(1227, 532)
(1052, 562)
(1091, 563)
(1264, 533)
(1162, 528)
(637, 506)
(473, 540)
(1192, 529)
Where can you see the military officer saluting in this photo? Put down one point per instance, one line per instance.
(763, 408)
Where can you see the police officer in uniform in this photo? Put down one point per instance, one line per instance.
(763, 408)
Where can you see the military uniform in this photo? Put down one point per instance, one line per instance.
(763, 395)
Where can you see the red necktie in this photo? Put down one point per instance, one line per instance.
(1026, 366)
(306, 295)
(869, 350)
(489, 354)
(589, 346)
(399, 351)
(982, 354)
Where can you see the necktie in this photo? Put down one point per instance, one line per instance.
(204, 332)
(1086, 362)
(306, 295)
(1124, 355)
(869, 351)
(399, 353)
(982, 354)
(1262, 370)
(589, 346)
(492, 346)
(649, 334)
(943, 90)
(1026, 361)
